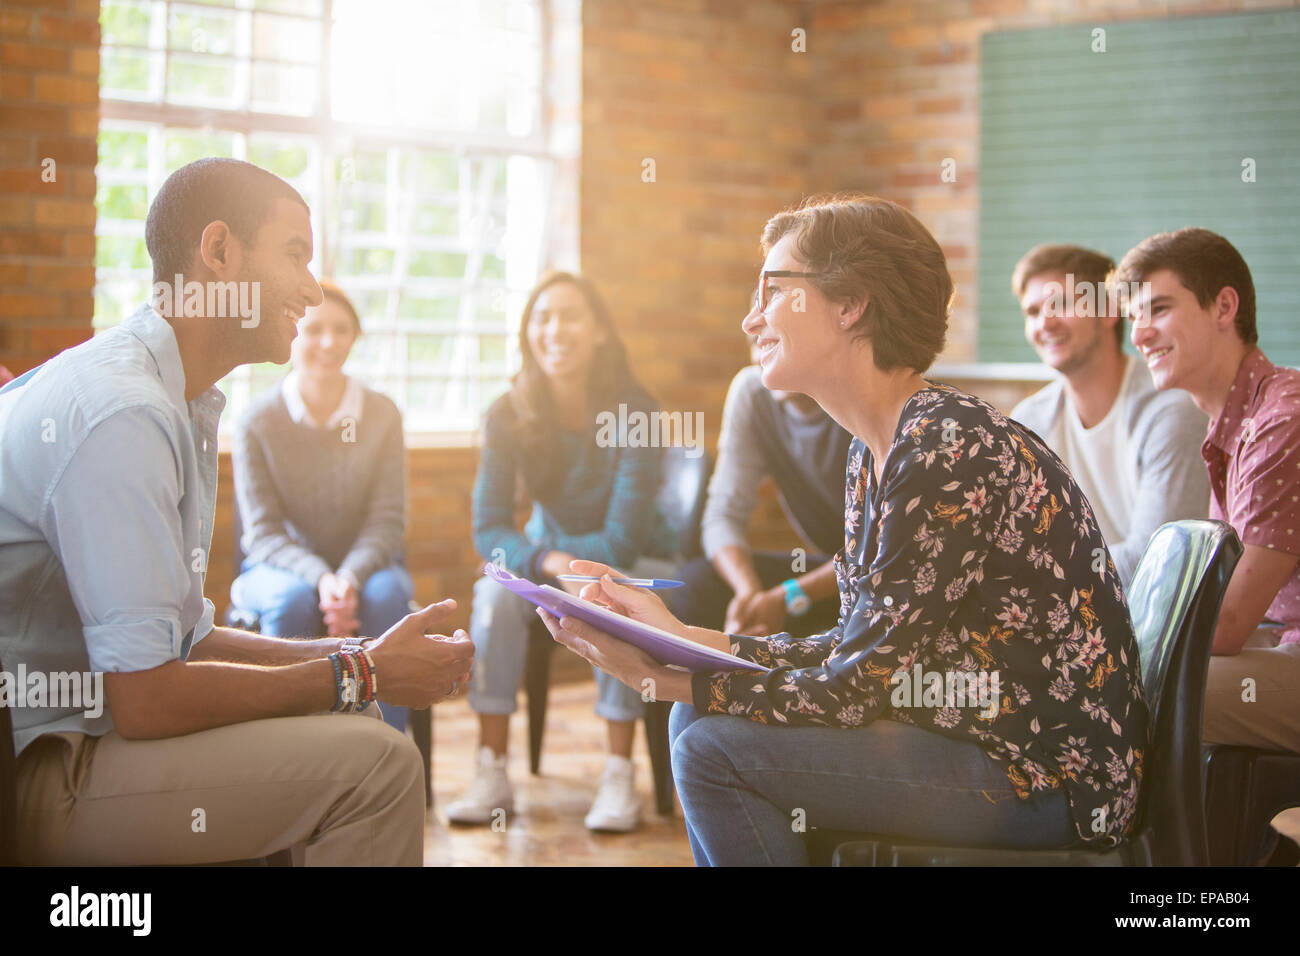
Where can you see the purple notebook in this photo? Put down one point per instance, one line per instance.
(666, 648)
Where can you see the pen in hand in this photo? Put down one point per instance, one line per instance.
(651, 583)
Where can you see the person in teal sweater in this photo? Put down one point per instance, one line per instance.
(592, 499)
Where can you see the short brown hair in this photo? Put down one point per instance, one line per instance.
(332, 292)
(1086, 265)
(1205, 264)
(873, 249)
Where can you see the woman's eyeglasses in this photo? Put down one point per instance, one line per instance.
(763, 295)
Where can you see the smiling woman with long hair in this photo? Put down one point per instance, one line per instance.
(971, 563)
(591, 500)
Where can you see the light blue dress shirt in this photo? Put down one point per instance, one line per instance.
(108, 484)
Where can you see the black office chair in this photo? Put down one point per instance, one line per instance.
(420, 721)
(1245, 788)
(1174, 604)
(681, 506)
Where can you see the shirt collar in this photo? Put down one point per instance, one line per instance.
(159, 338)
(1225, 431)
(349, 407)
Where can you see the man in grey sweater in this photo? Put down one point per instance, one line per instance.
(1134, 451)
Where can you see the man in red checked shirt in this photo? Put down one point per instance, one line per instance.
(1194, 323)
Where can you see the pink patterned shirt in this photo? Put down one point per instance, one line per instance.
(1252, 452)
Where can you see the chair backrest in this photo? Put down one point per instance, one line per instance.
(8, 789)
(1174, 604)
(681, 497)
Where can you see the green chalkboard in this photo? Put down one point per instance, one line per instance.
(1105, 148)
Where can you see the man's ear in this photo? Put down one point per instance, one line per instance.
(219, 250)
(1225, 308)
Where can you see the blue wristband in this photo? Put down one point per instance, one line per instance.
(797, 601)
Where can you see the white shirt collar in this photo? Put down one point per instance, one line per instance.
(349, 407)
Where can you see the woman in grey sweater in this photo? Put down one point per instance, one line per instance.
(320, 479)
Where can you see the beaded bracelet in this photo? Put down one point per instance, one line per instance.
(355, 679)
(339, 703)
(374, 674)
(351, 686)
(366, 690)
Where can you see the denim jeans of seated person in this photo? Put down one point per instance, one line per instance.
(287, 606)
(499, 626)
(742, 785)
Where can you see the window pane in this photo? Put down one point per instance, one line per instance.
(182, 147)
(115, 299)
(125, 74)
(197, 80)
(122, 202)
(365, 216)
(125, 149)
(284, 89)
(286, 38)
(434, 172)
(448, 264)
(121, 252)
(124, 21)
(422, 307)
(306, 7)
(286, 159)
(362, 261)
(201, 31)
(433, 220)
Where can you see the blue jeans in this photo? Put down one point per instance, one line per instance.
(498, 625)
(287, 606)
(744, 784)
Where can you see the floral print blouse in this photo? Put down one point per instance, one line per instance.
(977, 556)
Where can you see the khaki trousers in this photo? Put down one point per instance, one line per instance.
(1270, 673)
(347, 790)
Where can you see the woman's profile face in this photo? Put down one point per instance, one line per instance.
(562, 332)
(326, 335)
(798, 331)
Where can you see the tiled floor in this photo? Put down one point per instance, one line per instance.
(547, 828)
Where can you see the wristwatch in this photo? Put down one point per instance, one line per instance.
(797, 602)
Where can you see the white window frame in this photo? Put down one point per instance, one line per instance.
(333, 140)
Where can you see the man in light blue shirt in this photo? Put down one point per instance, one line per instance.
(108, 472)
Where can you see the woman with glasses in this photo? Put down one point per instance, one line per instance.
(591, 497)
(320, 478)
(982, 684)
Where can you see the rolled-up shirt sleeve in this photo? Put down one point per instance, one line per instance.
(118, 535)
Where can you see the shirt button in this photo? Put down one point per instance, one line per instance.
(888, 601)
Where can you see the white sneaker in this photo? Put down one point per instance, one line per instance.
(616, 807)
(487, 793)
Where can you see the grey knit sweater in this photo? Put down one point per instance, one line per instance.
(312, 501)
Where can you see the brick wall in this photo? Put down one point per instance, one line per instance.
(49, 119)
(712, 92)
